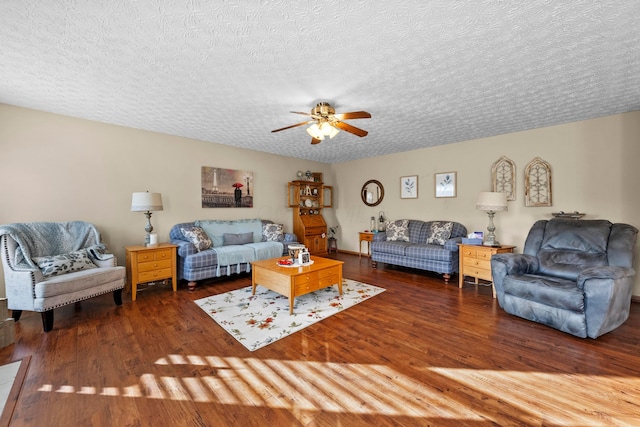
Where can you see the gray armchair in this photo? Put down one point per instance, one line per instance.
(52, 264)
(573, 275)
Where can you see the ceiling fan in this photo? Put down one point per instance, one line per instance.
(325, 122)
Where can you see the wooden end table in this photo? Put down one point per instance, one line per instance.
(295, 281)
(149, 264)
(365, 236)
(475, 260)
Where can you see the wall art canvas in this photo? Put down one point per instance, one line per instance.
(226, 188)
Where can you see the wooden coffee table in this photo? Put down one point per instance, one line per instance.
(295, 281)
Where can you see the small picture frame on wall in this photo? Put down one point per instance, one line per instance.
(409, 187)
(445, 184)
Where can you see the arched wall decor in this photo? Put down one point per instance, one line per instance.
(503, 177)
(537, 183)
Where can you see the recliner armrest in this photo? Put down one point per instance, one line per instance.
(516, 264)
(604, 272)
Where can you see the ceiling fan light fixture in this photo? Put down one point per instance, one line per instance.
(315, 131)
(329, 130)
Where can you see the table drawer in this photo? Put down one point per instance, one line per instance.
(366, 237)
(154, 255)
(154, 265)
(328, 272)
(328, 281)
(150, 276)
(314, 231)
(306, 278)
(477, 263)
(468, 252)
(479, 273)
(484, 253)
(305, 288)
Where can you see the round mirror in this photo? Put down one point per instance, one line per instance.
(372, 193)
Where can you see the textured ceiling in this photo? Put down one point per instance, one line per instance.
(430, 72)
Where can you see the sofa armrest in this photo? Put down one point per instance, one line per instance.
(379, 237)
(184, 248)
(452, 244)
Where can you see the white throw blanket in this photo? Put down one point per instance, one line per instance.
(37, 239)
(234, 255)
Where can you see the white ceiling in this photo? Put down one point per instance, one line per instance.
(430, 72)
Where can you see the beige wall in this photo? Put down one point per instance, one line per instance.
(57, 168)
(594, 169)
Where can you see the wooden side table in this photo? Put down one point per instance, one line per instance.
(365, 236)
(475, 260)
(150, 264)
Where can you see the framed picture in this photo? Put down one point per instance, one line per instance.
(409, 187)
(445, 184)
(226, 188)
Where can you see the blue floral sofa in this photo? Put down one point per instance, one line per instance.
(425, 245)
(215, 248)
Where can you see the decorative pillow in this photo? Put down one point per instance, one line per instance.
(440, 232)
(398, 230)
(237, 239)
(273, 232)
(198, 237)
(57, 265)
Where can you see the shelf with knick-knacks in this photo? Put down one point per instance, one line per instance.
(308, 199)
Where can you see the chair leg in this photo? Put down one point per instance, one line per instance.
(16, 314)
(117, 296)
(47, 320)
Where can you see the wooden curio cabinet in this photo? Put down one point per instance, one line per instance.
(308, 199)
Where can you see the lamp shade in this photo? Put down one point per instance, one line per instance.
(145, 201)
(492, 201)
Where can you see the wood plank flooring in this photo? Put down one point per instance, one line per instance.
(420, 354)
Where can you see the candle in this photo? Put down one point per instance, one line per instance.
(153, 238)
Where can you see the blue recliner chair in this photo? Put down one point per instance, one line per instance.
(573, 275)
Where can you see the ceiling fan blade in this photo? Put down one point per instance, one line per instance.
(293, 126)
(298, 112)
(315, 141)
(353, 115)
(351, 129)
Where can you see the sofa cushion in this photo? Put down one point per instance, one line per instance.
(440, 232)
(431, 252)
(64, 263)
(397, 231)
(198, 237)
(273, 232)
(390, 247)
(237, 238)
(79, 281)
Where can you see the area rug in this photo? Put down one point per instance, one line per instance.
(261, 319)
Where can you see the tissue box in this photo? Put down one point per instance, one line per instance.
(471, 241)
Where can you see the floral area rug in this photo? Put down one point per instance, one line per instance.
(261, 319)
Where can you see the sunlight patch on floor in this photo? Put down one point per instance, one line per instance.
(561, 394)
(299, 386)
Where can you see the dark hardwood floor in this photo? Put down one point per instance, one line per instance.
(422, 353)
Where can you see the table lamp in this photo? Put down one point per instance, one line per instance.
(491, 202)
(146, 202)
